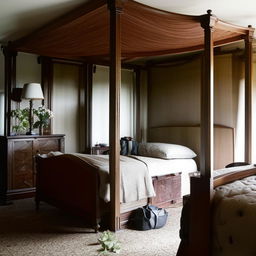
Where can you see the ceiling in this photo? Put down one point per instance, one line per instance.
(18, 18)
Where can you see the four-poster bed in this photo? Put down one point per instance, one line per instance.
(116, 30)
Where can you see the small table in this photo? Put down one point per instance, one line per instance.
(99, 150)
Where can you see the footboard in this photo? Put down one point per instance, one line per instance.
(68, 182)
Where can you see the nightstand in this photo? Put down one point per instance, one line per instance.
(99, 150)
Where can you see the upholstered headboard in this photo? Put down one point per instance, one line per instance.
(190, 136)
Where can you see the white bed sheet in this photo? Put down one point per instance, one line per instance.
(160, 167)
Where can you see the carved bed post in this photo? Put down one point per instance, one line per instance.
(248, 96)
(201, 187)
(114, 117)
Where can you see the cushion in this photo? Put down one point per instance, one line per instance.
(165, 151)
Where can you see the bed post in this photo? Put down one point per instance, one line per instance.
(114, 117)
(201, 187)
(248, 95)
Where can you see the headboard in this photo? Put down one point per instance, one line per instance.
(190, 136)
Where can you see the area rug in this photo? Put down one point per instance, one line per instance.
(23, 232)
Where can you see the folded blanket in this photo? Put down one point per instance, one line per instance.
(136, 182)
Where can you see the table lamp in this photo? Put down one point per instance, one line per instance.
(32, 91)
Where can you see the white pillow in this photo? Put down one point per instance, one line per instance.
(165, 151)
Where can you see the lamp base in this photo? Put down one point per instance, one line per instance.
(30, 133)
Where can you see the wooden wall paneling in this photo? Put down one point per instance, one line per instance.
(86, 80)
(10, 83)
(149, 95)
(47, 82)
(137, 104)
(114, 112)
(248, 96)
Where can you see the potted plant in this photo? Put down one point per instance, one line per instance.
(43, 115)
(21, 117)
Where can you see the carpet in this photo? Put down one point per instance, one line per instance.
(23, 232)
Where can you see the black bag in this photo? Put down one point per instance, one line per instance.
(148, 217)
(128, 146)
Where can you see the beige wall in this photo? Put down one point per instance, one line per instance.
(27, 70)
(100, 105)
(66, 106)
(174, 96)
(223, 91)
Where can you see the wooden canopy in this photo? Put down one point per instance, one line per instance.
(145, 31)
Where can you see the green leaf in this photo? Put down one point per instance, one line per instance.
(109, 242)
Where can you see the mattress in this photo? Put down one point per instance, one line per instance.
(161, 167)
(234, 221)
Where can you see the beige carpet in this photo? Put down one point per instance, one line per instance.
(52, 232)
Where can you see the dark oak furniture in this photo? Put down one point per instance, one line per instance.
(168, 190)
(17, 166)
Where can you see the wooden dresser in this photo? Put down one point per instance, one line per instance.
(17, 165)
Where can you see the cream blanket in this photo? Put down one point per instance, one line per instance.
(136, 182)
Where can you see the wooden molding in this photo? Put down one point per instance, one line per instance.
(137, 103)
(248, 97)
(87, 79)
(10, 83)
(47, 83)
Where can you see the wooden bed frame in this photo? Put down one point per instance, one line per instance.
(70, 183)
(104, 40)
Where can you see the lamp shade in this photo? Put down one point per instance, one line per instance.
(32, 91)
